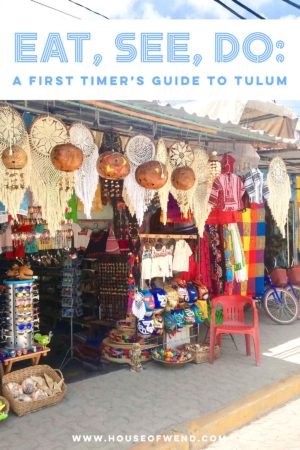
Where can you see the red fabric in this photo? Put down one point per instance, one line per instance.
(205, 261)
(219, 217)
(18, 250)
(193, 273)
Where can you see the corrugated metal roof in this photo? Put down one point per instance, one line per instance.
(150, 118)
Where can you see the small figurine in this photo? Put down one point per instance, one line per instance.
(44, 340)
(135, 358)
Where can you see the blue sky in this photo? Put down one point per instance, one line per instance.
(146, 9)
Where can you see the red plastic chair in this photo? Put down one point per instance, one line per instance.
(234, 323)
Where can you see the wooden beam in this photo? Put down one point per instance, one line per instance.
(150, 117)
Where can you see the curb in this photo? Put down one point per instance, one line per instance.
(227, 419)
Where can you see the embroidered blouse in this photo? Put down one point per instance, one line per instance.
(227, 192)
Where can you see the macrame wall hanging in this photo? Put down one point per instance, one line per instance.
(50, 187)
(139, 150)
(200, 206)
(182, 155)
(280, 192)
(86, 177)
(163, 193)
(111, 142)
(15, 161)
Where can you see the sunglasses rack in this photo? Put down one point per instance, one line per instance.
(20, 303)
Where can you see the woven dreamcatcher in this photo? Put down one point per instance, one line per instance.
(86, 177)
(15, 162)
(181, 154)
(111, 142)
(139, 149)
(51, 187)
(280, 192)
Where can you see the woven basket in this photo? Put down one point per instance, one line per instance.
(22, 408)
(6, 403)
(201, 353)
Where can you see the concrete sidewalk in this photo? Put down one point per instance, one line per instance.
(157, 399)
(279, 429)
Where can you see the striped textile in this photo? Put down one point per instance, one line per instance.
(252, 227)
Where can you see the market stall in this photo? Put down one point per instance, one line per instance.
(129, 217)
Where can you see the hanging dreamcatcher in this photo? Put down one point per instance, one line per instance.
(111, 142)
(183, 175)
(200, 206)
(15, 165)
(50, 186)
(139, 150)
(181, 155)
(280, 192)
(86, 177)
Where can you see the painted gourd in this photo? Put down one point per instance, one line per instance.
(183, 178)
(14, 158)
(113, 166)
(66, 157)
(151, 175)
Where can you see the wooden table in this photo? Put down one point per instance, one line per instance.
(35, 358)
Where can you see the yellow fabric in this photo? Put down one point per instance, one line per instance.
(203, 306)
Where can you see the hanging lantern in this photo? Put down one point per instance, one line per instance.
(183, 178)
(14, 158)
(214, 166)
(151, 175)
(66, 157)
(113, 166)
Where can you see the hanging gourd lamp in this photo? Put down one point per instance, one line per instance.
(214, 166)
(151, 175)
(66, 157)
(113, 166)
(183, 178)
(14, 158)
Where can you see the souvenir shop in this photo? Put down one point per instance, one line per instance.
(118, 226)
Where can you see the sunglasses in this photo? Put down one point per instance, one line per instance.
(24, 309)
(25, 289)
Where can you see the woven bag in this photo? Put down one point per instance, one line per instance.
(293, 274)
(279, 276)
(18, 376)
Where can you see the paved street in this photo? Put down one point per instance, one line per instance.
(276, 431)
(156, 399)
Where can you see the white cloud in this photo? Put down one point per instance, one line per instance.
(204, 7)
(290, 17)
(149, 12)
